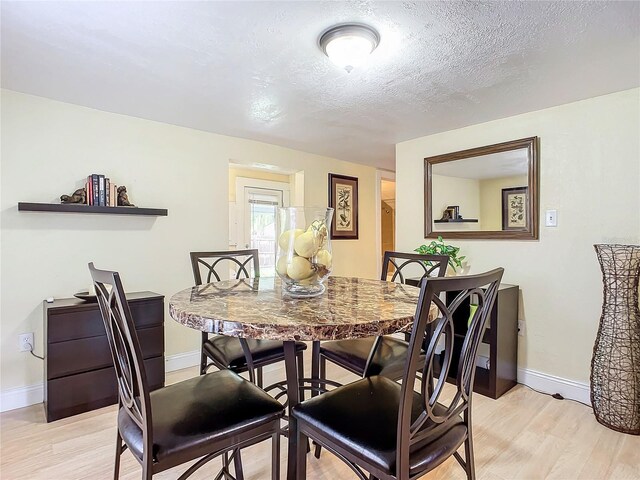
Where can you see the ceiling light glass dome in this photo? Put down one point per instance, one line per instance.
(349, 45)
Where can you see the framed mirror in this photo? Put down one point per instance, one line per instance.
(487, 192)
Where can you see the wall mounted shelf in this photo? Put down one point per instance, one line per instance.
(458, 220)
(81, 208)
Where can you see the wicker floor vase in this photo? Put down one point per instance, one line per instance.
(615, 366)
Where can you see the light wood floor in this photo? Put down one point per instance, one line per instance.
(523, 435)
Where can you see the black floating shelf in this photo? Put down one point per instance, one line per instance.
(81, 208)
(458, 220)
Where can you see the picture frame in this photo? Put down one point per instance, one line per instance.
(343, 198)
(515, 205)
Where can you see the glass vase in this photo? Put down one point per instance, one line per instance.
(304, 250)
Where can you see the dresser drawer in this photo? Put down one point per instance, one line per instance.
(147, 313)
(71, 325)
(90, 390)
(82, 355)
(85, 322)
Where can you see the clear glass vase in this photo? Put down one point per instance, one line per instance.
(304, 250)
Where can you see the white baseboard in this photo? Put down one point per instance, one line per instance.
(181, 360)
(18, 397)
(552, 384)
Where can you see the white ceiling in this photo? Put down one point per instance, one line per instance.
(495, 165)
(253, 69)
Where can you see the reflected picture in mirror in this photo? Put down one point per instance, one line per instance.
(514, 208)
(485, 192)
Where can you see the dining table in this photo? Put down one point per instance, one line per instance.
(258, 308)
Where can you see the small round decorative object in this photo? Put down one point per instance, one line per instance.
(304, 250)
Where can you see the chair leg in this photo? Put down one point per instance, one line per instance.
(203, 357)
(323, 368)
(259, 377)
(301, 461)
(323, 376)
(300, 362)
(116, 469)
(237, 464)
(315, 367)
(469, 460)
(275, 456)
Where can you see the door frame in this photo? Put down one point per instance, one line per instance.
(381, 175)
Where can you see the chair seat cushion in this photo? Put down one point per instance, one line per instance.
(190, 416)
(362, 419)
(388, 361)
(227, 351)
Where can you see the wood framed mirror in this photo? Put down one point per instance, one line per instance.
(488, 192)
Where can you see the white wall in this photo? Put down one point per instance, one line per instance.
(47, 149)
(590, 173)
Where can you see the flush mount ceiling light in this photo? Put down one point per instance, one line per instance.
(349, 45)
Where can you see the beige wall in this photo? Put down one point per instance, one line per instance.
(491, 199)
(257, 174)
(47, 149)
(590, 173)
(464, 192)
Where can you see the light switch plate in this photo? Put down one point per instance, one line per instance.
(551, 218)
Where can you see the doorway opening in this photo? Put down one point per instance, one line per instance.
(387, 215)
(255, 196)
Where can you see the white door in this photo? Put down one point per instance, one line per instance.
(259, 220)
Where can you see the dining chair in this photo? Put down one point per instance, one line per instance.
(385, 355)
(236, 354)
(399, 433)
(196, 419)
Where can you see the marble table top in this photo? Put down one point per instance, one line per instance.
(257, 308)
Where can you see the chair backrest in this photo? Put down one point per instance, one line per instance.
(133, 389)
(431, 265)
(481, 290)
(212, 262)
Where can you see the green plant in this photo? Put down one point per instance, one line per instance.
(438, 247)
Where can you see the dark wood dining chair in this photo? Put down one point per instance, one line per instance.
(390, 430)
(197, 419)
(384, 355)
(237, 354)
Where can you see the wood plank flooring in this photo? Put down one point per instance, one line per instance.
(523, 435)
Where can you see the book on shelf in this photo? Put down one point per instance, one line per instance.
(102, 198)
(114, 195)
(95, 190)
(89, 190)
(101, 191)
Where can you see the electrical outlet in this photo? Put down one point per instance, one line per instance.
(25, 342)
(521, 328)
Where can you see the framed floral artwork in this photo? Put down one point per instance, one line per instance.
(343, 198)
(514, 208)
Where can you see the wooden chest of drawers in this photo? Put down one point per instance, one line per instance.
(79, 374)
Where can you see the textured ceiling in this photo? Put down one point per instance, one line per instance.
(253, 69)
(495, 165)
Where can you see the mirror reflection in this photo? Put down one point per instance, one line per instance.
(481, 193)
(487, 192)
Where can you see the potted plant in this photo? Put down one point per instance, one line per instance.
(438, 247)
